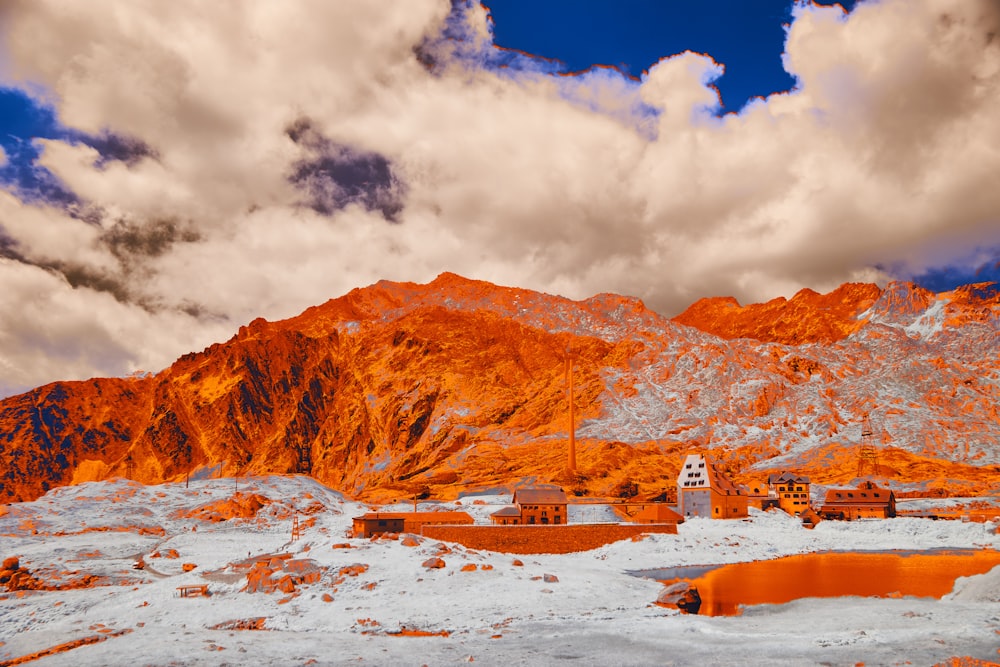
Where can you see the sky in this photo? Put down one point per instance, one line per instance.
(170, 171)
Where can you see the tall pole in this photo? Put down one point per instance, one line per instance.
(571, 458)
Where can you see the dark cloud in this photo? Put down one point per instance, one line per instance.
(8, 246)
(337, 175)
(115, 147)
(129, 241)
(131, 244)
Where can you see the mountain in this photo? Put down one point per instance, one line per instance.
(399, 389)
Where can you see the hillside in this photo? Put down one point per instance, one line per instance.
(400, 389)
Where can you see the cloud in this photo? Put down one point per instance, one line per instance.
(226, 161)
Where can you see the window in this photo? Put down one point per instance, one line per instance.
(381, 523)
(688, 466)
(798, 488)
(701, 465)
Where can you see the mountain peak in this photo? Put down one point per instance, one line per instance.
(808, 317)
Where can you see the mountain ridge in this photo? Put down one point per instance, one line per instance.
(399, 389)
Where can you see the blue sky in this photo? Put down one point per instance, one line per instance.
(198, 165)
(632, 36)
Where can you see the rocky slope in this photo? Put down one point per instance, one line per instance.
(400, 389)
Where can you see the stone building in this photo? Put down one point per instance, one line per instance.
(534, 505)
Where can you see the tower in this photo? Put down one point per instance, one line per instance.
(867, 453)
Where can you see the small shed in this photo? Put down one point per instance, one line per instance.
(507, 516)
(657, 513)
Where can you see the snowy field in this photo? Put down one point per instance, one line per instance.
(590, 613)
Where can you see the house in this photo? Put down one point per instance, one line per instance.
(759, 495)
(533, 505)
(657, 513)
(791, 490)
(868, 501)
(375, 523)
(810, 518)
(704, 490)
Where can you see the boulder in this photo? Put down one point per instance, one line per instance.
(681, 595)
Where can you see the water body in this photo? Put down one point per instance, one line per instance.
(725, 588)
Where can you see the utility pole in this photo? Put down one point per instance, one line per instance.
(571, 454)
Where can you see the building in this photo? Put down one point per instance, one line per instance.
(810, 518)
(868, 501)
(791, 490)
(375, 523)
(657, 513)
(703, 490)
(534, 505)
(759, 495)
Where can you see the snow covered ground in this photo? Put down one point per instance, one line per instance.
(499, 613)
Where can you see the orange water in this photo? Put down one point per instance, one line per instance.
(878, 574)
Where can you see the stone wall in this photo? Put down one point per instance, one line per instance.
(543, 539)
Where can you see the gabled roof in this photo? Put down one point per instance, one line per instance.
(786, 477)
(422, 517)
(510, 510)
(866, 494)
(536, 495)
(706, 475)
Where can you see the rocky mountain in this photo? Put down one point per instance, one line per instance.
(398, 389)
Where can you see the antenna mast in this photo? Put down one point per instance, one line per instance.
(867, 454)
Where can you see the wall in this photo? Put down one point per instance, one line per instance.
(696, 502)
(542, 539)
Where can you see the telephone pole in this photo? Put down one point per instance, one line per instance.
(571, 453)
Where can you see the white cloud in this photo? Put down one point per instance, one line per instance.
(884, 154)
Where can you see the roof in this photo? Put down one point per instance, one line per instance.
(786, 477)
(866, 494)
(660, 512)
(535, 495)
(421, 517)
(510, 510)
(693, 479)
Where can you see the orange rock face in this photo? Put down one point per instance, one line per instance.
(401, 390)
(807, 318)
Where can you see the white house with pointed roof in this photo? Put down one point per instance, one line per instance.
(703, 490)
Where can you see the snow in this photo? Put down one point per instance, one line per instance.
(595, 614)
